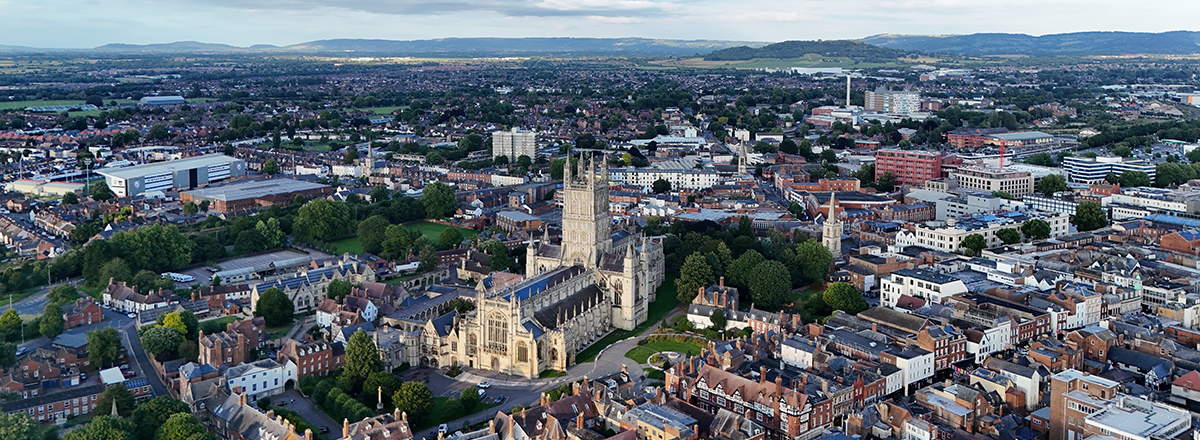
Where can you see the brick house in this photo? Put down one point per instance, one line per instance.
(312, 358)
(84, 311)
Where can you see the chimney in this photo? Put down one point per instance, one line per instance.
(241, 396)
(701, 294)
(722, 282)
(579, 421)
(193, 296)
(404, 416)
(270, 414)
(875, 327)
(492, 426)
(345, 428)
(779, 384)
(441, 435)
(762, 374)
(396, 415)
(308, 434)
(624, 369)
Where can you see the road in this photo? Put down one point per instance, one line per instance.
(306, 409)
(36, 303)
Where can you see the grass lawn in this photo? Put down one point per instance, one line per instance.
(93, 292)
(217, 325)
(433, 231)
(551, 373)
(642, 353)
(349, 244)
(809, 304)
(440, 415)
(380, 110)
(14, 297)
(280, 331)
(665, 302)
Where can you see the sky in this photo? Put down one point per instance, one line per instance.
(91, 23)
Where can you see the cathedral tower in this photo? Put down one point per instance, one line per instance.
(587, 224)
(831, 235)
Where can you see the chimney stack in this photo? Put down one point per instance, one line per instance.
(492, 426)
(241, 395)
(345, 428)
(404, 416)
(579, 421)
(624, 369)
(270, 414)
(722, 282)
(308, 435)
(762, 374)
(696, 430)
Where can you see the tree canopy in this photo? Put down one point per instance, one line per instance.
(362, 357)
(695, 274)
(322, 219)
(415, 399)
(275, 307)
(1037, 229)
(770, 284)
(844, 297)
(1089, 216)
(119, 394)
(439, 200)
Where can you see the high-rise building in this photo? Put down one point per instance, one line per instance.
(908, 167)
(893, 101)
(514, 144)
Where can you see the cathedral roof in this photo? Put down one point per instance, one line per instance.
(612, 262)
(542, 282)
(569, 307)
(550, 251)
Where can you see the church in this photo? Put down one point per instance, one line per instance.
(601, 276)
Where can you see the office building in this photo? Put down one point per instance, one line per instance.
(1092, 170)
(948, 236)
(514, 144)
(908, 167)
(188, 173)
(1015, 183)
(893, 101)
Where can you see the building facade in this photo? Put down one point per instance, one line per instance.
(908, 167)
(514, 144)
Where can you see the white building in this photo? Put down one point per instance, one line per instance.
(346, 170)
(919, 283)
(680, 179)
(993, 340)
(514, 144)
(1132, 418)
(948, 235)
(798, 352)
(915, 363)
(262, 378)
(1092, 170)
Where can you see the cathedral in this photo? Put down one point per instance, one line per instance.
(601, 276)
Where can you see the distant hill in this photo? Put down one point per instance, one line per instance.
(518, 46)
(1079, 43)
(474, 47)
(798, 49)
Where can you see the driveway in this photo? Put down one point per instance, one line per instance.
(307, 410)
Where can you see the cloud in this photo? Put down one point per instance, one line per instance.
(613, 20)
(770, 16)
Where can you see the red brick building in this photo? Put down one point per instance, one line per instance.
(48, 408)
(84, 311)
(972, 137)
(312, 358)
(947, 344)
(1184, 242)
(908, 167)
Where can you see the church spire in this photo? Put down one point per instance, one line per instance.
(832, 204)
(567, 169)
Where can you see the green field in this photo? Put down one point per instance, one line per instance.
(664, 303)
(380, 110)
(433, 231)
(642, 353)
(21, 105)
(348, 244)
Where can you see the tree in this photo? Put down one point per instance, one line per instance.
(10, 324)
(693, 275)
(814, 260)
(19, 426)
(181, 426)
(271, 233)
(1042, 159)
(434, 158)
(439, 201)
(415, 399)
(103, 427)
(469, 397)
(1008, 235)
(379, 193)
(158, 132)
(718, 320)
(158, 340)
(450, 238)
(274, 307)
(70, 198)
(770, 284)
(661, 186)
(886, 182)
(1089, 216)
(151, 414)
(975, 242)
(1131, 179)
(8, 354)
(1037, 229)
(119, 394)
(190, 208)
(1112, 177)
(52, 322)
(63, 294)
(104, 346)
(322, 219)
(205, 203)
(101, 192)
(351, 155)
(1123, 151)
(372, 232)
(742, 268)
(380, 380)
(362, 357)
(263, 403)
(1051, 184)
(1003, 194)
(338, 289)
(270, 167)
(844, 297)
(249, 241)
(175, 321)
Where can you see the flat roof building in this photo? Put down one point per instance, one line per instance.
(246, 195)
(514, 144)
(1015, 183)
(186, 173)
(162, 100)
(1092, 170)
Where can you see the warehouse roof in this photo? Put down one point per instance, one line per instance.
(168, 166)
(254, 189)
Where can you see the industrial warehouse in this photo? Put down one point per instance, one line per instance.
(188, 173)
(252, 194)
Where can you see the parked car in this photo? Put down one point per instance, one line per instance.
(483, 385)
(325, 429)
(124, 366)
(442, 428)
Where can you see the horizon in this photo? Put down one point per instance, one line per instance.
(58, 24)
